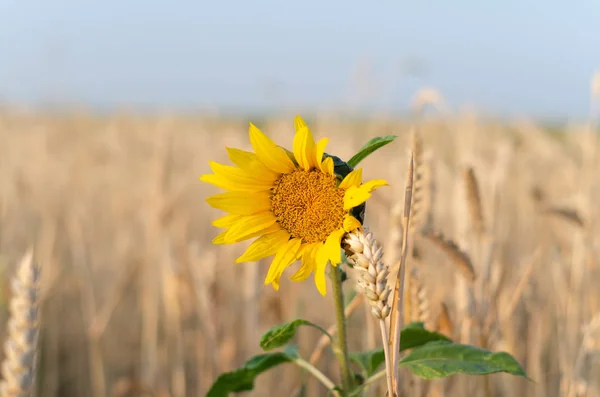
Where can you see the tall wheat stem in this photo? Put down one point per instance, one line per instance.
(399, 288)
(341, 350)
(388, 362)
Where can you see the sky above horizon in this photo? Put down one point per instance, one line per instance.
(508, 58)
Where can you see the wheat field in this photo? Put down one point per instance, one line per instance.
(136, 301)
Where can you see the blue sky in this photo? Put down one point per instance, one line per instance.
(506, 57)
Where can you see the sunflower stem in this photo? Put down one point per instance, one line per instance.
(341, 350)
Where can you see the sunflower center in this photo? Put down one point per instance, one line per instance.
(308, 204)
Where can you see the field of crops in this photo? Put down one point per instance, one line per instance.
(136, 301)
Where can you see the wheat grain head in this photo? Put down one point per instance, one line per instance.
(419, 205)
(474, 201)
(366, 254)
(453, 251)
(18, 367)
(416, 299)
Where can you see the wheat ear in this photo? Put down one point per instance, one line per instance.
(568, 214)
(419, 202)
(474, 201)
(458, 256)
(18, 367)
(366, 255)
(416, 300)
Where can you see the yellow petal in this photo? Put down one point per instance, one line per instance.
(241, 203)
(304, 145)
(283, 258)
(351, 223)
(220, 239)
(299, 123)
(269, 153)
(228, 184)
(355, 196)
(354, 178)
(264, 246)
(250, 224)
(327, 166)
(333, 246)
(240, 176)
(374, 184)
(320, 151)
(250, 163)
(236, 179)
(241, 158)
(300, 252)
(320, 266)
(308, 262)
(290, 155)
(227, 220)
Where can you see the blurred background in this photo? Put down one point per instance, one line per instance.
(109, 113)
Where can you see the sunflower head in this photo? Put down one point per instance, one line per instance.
(299, 204)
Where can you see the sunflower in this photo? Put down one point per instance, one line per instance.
(292, 201)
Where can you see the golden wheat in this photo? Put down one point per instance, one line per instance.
(100, 203)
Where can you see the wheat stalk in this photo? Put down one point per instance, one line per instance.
(18, 367)
(394, 239)
(590, 346)
(398, 297)
(444, 323)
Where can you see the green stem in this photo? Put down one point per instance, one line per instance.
(341, 350)
(373, 378)
(317, 374)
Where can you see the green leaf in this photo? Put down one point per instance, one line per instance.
(370, 360)
(413, 335)
(441, 359)
(242, 379)
(340, 168)
(282, 334)
(369, 148)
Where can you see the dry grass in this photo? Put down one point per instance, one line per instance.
(137, 302)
